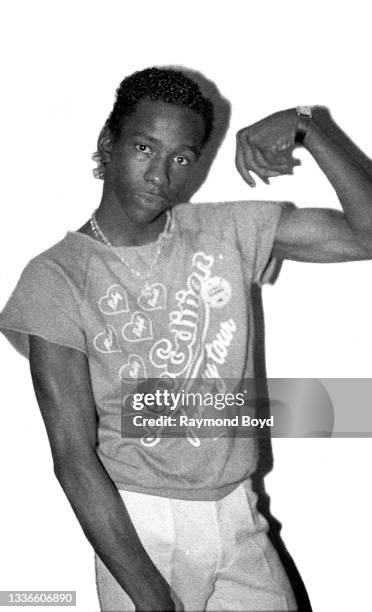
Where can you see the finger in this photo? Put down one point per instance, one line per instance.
(292, 163)
(260, 158)
(277, 155)
(265, 162)
(265, 175)
(257, 165)
(250, 159)
(269, 162)
(246, 162)
(283, 162)
(244, 146)
(243, 169)
(264, 172)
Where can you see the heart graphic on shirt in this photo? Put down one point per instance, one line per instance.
(153, 297)
(134, 370)
(114, 302)
(139, 328)
(107, 341)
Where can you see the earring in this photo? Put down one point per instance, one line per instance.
(99, 171)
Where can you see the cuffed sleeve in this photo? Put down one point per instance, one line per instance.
(43, 304)
(256, 224)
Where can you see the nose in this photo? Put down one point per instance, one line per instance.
(157, 172)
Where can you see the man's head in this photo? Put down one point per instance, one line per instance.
(159, 85)
(152, 139)
(156, 84)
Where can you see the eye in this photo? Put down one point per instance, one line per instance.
(142, 148)
(181, 160)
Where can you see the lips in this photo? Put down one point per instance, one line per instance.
(151, 196)
(151, 201)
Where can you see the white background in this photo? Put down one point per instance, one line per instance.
(63, 61)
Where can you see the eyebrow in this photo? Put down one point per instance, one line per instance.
(156, 140)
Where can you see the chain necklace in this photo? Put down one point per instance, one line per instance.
(166, 233)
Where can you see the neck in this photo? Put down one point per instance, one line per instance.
(120, 229)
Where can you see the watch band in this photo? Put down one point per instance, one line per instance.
(305, 116)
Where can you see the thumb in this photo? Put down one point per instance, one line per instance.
(179, 607)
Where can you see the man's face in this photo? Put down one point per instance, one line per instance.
(153, 164)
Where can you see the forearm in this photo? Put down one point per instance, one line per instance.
(348, 169)
(107, 525)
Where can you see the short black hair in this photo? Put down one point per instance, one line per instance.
(159, 84)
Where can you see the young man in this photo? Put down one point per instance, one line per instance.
(155, 287)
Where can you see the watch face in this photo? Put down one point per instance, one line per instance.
(304, 111)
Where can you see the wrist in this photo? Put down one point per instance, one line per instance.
(154, 593)
(304, 120)
(320, 128)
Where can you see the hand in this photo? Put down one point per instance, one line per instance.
(266, 147)
(179, 607)
(168, 602)
(175, 606)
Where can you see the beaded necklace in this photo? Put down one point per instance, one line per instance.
(166, 233)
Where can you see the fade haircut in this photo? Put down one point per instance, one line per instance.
(163, 85)
(156, 84)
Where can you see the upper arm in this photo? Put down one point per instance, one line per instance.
(319, 235)
(64, 393)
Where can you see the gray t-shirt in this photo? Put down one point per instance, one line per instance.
(199, 317)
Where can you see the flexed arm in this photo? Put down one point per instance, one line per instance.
(313, 234)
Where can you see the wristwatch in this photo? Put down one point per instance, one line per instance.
(305, 115)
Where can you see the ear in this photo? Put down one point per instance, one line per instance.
(104, 144)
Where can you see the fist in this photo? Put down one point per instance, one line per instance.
(266, 147)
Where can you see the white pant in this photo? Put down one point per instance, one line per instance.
(215, 555)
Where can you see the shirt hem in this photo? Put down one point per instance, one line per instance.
(203, 494)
